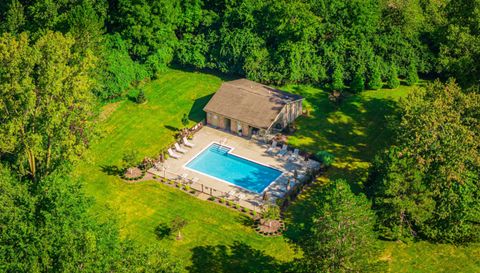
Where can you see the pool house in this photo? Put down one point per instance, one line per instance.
(249, 108)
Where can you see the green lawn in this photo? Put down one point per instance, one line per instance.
(218, 239)
(354, 132)
(212, 230)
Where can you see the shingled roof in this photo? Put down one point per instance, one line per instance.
(250, 102)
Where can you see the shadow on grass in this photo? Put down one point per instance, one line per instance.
(354, 131)
(171, 128)
(111, 170)
(196, 112)
(238, 257)
(162, 231)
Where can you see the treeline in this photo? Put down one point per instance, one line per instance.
(333, 43)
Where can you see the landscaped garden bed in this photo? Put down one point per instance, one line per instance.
(133, 174)
(270, 228)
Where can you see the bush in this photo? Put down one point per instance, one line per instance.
(229, 203)
(237, 206)
(412, 76)
(141, 97)
(271, 212)
(392, 79)
(222, 200)
(358, 83)
(325, 157)
(187, 187)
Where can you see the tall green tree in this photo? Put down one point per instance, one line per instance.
(358, 83)
(337, 79)
(392, 77)
(46, 102)
(412, 75)
(341, 236)
(428, 184)
(375, 78)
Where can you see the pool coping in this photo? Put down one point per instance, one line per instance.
(282, 173)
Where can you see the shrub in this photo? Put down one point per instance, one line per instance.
(141, 97)
(254, 213)
(229, 203)
(237, 206)
(358, 83)
(185, 120)
(412, 76)
(392, 78)
(325, 157)
(222, 200)
(187, 187)
(246, 210)
(271, 212)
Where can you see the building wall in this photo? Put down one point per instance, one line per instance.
(288, 114)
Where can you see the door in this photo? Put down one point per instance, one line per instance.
(228, 123)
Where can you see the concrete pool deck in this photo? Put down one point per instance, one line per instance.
(247, 148)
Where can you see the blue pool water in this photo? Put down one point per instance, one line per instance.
(217, 162)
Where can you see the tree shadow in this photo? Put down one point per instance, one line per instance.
(353, 131)
(196, 112)
(111, 170)
(162, 231)
(171, 128)
(238, 257)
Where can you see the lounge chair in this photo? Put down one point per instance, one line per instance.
(283, 151)
(173, 154)
(179, 149)
(231, 193)
(187, 143)
(195, 180)
(294, 156)
(273, 147)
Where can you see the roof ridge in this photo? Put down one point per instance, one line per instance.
(252, 91)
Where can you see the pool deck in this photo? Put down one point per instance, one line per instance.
(247, 148)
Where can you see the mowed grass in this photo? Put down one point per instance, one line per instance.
(355, 131)
(216, 238)
(149, 128)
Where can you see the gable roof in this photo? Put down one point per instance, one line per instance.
(250, 102)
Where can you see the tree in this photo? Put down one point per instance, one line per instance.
(358, 83)
(46, 99)
(177, 225)
(337, 79)
(340, 237)
(129, 159)
(427, 184)
(47, 227)
(392, 78)
(141, 97)
(412, 76)
(375, 80)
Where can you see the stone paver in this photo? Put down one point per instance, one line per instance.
(247, 148)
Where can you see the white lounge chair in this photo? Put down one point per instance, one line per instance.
(231, 193)
(195, 180)
(187, 143)
(294, 156)
(173, 154)
(273, 147)
(283, 151)
(179, 149)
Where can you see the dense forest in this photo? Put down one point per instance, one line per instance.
(60, 59)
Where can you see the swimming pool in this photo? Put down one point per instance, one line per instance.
(217, 161)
